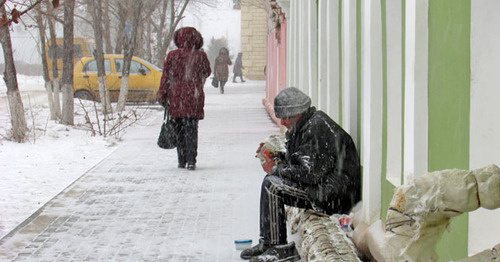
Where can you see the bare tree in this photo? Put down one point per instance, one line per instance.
(129, 50)
(17, 119)
(54, 84)
(120, 31)
(95, 9)
(67, 79)
(148, 54)
(177, 9)
(176, 15)
(45, 69)
(107, 27)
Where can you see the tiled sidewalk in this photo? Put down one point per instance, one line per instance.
(136, 205)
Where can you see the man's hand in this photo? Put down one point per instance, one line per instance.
(268, 163)
(260, 147)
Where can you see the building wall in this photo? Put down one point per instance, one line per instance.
(415, 83)
(276, 59)
(253, 40)
(484, 141)
(449, 102)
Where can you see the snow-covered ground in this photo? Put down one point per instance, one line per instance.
(32, 173)
(35, 171)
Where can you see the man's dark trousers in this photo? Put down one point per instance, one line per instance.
(276, 192)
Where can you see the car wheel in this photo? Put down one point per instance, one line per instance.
(84, 95)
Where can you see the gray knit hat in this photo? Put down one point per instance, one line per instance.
(291, 102)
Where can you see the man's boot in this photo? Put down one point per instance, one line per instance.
(254, 251)
(286, 252)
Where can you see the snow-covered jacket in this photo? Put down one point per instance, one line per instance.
(323, 159)
(184, 74)
(221, 65)
(238, 65)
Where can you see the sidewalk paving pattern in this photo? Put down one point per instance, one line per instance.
(136, 205)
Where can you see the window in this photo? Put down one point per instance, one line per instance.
(91, 66)
(119, 65)
(134, 67)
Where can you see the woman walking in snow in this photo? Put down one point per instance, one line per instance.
(238, 65)
(221, 69)
(181, 89)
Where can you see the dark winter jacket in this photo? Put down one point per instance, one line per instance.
(323, 159)
(184, 74)
(221, 65)
(238, 65)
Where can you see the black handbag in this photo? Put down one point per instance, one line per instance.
(168, 132)
(215, 83)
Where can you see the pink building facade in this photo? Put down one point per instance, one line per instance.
(276, 59)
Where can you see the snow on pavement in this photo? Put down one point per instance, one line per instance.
(137, 205)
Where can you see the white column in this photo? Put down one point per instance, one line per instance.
(394, 91)
(349, 70)
(416, 85)
(303, 63)
(333, 61)
(484, 111)
(323, 70)
(312, 51)
(372, 109)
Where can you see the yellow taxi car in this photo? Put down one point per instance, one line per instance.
(144, 79)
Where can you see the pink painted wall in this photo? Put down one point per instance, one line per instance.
(276, 65)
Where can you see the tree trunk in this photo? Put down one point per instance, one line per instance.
(45, 69)
(17, 119)
(67, 80)
(55, 71)
(148, 55)
(95, 9)
(160, 36)
(107, 28)
(139, 42)
(129, 51)
(120, 34)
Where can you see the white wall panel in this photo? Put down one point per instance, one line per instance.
(485, 113)
(371, 84)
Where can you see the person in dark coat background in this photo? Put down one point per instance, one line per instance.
(221, 69)
(181, 89)
(238, 65)
(320, 170)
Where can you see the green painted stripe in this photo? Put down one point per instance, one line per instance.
(449, 103)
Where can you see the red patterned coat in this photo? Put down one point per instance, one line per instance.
(184, 74)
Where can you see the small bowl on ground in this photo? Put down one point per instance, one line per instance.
(242, 244)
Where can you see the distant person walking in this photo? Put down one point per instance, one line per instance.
(181, 89)
(221, 68)
(238, 65)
